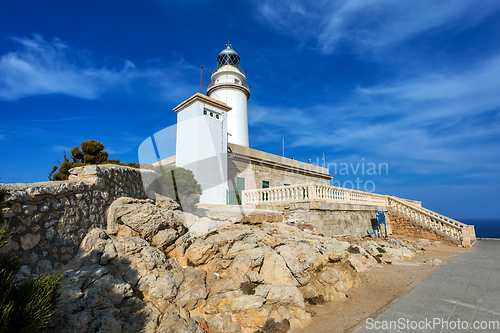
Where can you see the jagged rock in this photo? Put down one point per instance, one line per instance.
(242, 278)
(219, 322)
(143, 217)
(361, 262)
(108, 253)
(217, 285)
(246, 261)
(179, 247)
(240, 303)
(403, 252)
(289, 296)
(165, 238)
(199, 226)
(300, 259)
(275, 272)
(255, 277)
(173, 323)
(29, 241)
(159, 284)
(166, 202)
(252, 318)
(238, 247)
(199, 251)
(192, 288)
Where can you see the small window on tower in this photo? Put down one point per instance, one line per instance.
(217, 116)
(205, 112)
(211, 114)
(236, 81)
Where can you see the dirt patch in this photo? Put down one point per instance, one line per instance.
(379, 288)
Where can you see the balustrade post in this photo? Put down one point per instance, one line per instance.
(312, 192)
(466, 237)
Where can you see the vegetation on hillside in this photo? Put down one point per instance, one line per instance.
(90, 152)
(26, 305)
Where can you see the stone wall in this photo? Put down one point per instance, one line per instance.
(331, 218)
(48, 220)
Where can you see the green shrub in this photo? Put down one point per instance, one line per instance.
(178, 184)
(91, 152)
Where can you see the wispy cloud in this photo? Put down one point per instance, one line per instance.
(446, 124)
(369, 24)
(41, 67)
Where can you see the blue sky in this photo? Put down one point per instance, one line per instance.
(414, 85)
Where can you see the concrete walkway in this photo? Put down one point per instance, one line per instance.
(464, 292)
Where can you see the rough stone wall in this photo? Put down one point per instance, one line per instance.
(332, 218)
(48, 220)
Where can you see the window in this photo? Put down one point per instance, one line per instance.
(236, 81)
(205, 112)
(211, 114)
(217, 116)
(265, 184)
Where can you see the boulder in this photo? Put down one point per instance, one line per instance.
(165, 238)
(143, 217)
(240, 303)
(275, 272)
(288, 296)
(192, 289)
(300, 259)
(166, 202)
(199, 226)
(199, 251)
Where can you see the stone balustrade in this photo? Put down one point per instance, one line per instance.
(311, 193)
(463, 233)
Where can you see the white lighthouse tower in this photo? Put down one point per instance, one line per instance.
(228, 85)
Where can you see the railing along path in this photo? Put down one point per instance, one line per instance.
(443, 225)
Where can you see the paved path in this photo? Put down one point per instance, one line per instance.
(466, 289)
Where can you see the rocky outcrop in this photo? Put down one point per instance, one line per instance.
(150, 272)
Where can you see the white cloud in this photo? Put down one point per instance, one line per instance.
(369, 24)
(446, 124)
(40, 67)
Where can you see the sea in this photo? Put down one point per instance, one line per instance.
(485, 228)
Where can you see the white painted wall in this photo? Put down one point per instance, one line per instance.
(202, 148)
(238, 116)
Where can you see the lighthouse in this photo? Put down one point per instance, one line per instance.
(228, 84)
(212, 141)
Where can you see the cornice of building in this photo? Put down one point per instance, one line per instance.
(202, 99)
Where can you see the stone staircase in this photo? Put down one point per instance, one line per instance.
(460, 233)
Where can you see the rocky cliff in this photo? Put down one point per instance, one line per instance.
(157, 269)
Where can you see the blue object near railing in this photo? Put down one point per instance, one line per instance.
(381, 220)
